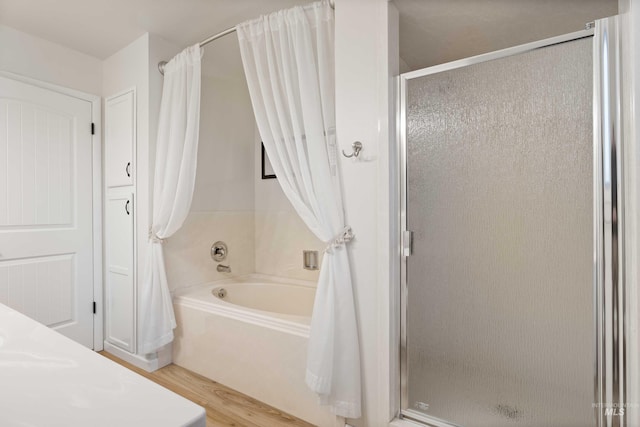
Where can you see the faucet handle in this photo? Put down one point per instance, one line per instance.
(219, 251)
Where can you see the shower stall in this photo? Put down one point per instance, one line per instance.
(512, 305)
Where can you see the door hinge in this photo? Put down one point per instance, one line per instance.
(93, 128)
(407, 243)
(94, 307)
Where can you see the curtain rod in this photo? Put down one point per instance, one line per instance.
(206, 41)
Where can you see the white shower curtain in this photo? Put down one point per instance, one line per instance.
(288, 60)
(174, 179)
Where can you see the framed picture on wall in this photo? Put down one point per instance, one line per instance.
(267, 169)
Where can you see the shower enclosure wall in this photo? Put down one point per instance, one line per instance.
(511, 304)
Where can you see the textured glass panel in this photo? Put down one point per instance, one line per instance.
(499, 314)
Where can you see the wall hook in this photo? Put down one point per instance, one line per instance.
(357, 147)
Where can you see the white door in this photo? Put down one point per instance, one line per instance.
(119, 285)
(119, 133)
(46, 246)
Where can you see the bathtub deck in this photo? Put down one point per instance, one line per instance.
(225, 407)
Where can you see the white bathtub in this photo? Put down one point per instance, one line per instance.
(253, 340)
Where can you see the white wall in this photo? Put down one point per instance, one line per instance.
(223, 201)
(232, 203)
(225, 151)
(280, 234)
(366, 60)
(40, 59)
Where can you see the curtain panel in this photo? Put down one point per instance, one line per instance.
(288, 59)
(174, 180)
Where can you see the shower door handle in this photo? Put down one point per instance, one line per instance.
(407, 243)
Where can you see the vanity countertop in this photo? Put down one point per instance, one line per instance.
(48, 380)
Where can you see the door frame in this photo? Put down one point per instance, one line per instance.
(96, 149)
(404, 415)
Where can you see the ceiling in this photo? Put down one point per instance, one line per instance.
(102, 27)
(431, 31)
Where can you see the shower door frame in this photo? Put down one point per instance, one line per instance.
(608, 264)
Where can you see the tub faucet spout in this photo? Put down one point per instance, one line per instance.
(223, 268)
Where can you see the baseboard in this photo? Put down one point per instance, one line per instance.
(150, 362)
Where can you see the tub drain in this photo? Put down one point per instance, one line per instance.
(220, 293)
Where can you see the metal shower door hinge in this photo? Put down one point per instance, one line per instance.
(407, 243)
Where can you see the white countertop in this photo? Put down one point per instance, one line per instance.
(48, 380)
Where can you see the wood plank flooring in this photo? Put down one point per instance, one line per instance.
(225, 407)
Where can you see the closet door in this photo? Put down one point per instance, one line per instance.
(120, 283)
(120, 133)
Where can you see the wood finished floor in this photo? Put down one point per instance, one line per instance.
(225, 407)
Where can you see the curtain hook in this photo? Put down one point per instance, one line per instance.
(357, 147)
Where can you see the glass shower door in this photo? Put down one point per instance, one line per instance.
(499, 285)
